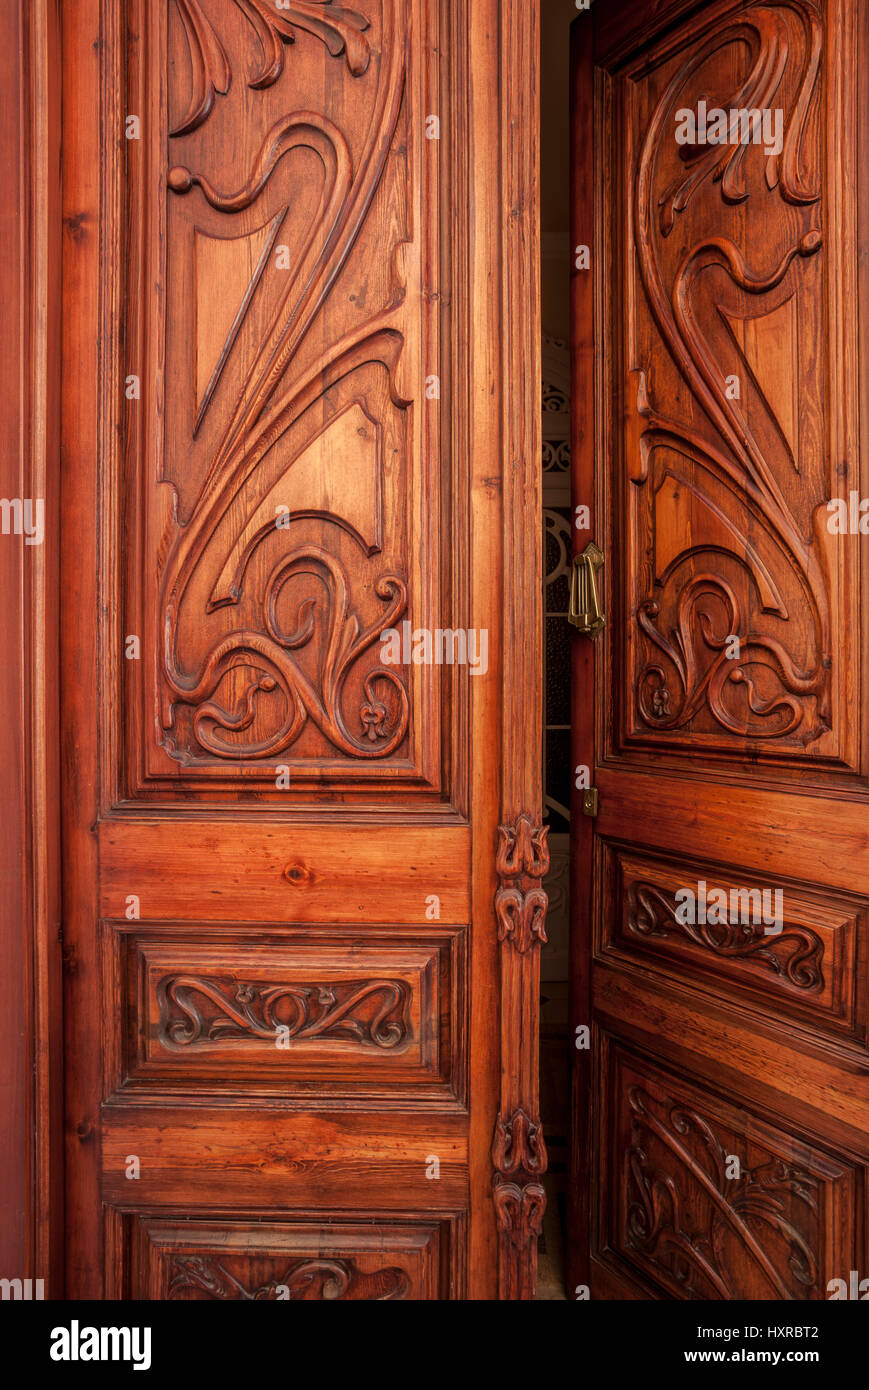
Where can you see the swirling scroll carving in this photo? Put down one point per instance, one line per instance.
(306, 1279)
(259, 685)
(340, 29)
(782, 695)
(371, 1013)
(682, 1204)
(794, 955)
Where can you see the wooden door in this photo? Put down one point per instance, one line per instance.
(301, 847)
(721, 935)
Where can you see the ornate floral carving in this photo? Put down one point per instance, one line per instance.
(782, 695)
(518, 1146)
(794, 955)
(679, 1212)
(340, 29)
(372, 1013)
(263, 681)
(522, 849)
(519, 1211)
(306, 1279)
(521, 917)
(270, 657)
(518, 1150)
(520, 905)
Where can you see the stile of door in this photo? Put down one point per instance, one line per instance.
(721, 935)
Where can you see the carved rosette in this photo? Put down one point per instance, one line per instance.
(518, 1149)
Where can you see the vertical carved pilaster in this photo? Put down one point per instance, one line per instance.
(518, 1154)
(518, 1150)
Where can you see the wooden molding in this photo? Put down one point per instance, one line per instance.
(31, 1179)
(518, 1151)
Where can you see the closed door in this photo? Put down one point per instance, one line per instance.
(286, 553)
(721, 937)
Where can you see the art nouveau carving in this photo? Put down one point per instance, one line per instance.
(305, 1279)
(794, 955)
(729, 490)
(285, 550)
(519, 1155)
(371, 1013)
(690, 1198)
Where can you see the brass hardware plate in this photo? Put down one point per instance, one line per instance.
(589, 801)
(585, 612)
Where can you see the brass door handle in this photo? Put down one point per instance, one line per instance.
(585, 612)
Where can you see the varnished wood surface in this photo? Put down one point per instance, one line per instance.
(31, 1178)
(726, 1090)
(367, 385)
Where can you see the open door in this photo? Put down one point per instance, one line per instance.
(721, 818)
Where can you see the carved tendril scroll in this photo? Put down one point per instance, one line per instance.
(685, 1202)
(794, 955)
(293, 663)
(372, 1013)
(342, 30)
(325, 1279)
(765, 690)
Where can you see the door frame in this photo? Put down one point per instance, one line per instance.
(31, 1175)
(501, 43)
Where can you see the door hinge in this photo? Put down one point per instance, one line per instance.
(585, 612)
(590, 801)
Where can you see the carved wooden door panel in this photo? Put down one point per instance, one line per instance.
(283, 422)
(721, 940)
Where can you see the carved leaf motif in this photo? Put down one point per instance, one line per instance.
(340, 29)
(372, 1013)
(523, 849)
(519, 1211)
(679, 1215)
(780, 696)
(518, 1146)
(209, 66)
(521, 917)
(307, 1279)
(265, 716)
(794, 954)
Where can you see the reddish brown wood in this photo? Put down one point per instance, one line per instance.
(518, 1150)
(30, 1174)
(585, 231)
(369, 386)
(722, 1123)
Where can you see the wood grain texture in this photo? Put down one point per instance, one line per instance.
(412, 1258)
(729, 742)
(280, 1012)
(518, 1151)
(300, 282)
(31, 1177)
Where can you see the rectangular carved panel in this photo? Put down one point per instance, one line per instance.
(734, 360)
(706, 1201)
(804, 971)
(285, 457)
(268, 1010)
(238, 1261)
